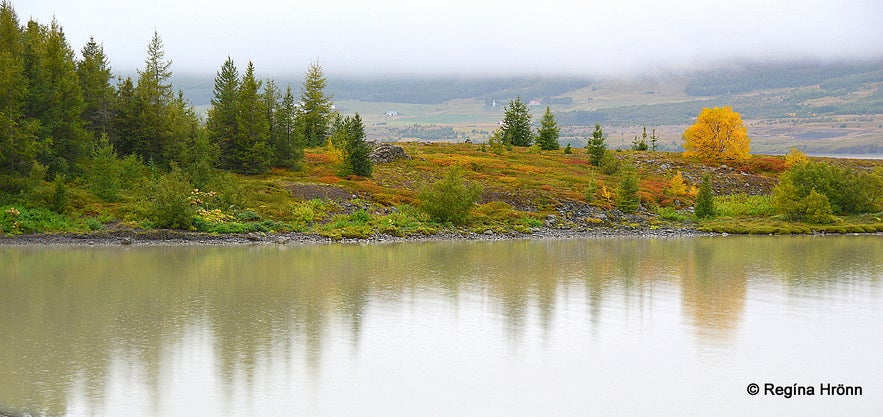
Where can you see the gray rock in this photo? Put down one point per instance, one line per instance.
(387, 152)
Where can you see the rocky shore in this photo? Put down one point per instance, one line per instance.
(182, 237)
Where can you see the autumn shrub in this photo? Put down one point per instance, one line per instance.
(677, 186)
(770, 164)
(449, 199)
(591, 190)
(795, 157)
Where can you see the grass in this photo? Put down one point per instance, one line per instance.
(775, 226)
(737, 205)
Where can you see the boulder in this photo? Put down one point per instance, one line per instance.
(387, 152)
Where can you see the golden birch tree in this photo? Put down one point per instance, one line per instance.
(717, 135)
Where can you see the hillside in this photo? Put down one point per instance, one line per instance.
(523, 192)
(819, 108)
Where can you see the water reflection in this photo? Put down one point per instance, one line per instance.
(77, 320)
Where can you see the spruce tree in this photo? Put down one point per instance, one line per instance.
(288, 151)
(125, 122)
(704, 202)
(98, 94)
(358, 149)
(627, 199)
(596, 146)
(348, 136)
(251, 152)
(152, 97)
(548, 134)
(516, 124)
(55, 98)
(315, 112)
(221, 117)
(18, 147)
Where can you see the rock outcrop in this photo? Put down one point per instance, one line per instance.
(386, 152)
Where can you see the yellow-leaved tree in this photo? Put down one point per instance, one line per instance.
(717, 135)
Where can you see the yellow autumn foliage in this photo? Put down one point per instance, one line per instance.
(677, 186)
(795, 157)
(717, 135)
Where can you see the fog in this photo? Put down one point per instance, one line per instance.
(470, 38)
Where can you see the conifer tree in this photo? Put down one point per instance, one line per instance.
(95, 75)
(348, 136)
(548, 134)
(704, 202)
(288, 150)
(516, 124)
(54, 97)
(597, 146)
(358, 149)
(221, 120)
(18, 147)
(315, 112)
(153, 95)
(627, 199)
(250, 153)
(125, 118)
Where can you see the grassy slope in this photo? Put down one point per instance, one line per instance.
(522, 189)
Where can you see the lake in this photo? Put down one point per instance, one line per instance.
(622, 326)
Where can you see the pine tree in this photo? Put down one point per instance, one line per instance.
(653, 140)
(125, 118)
(152, 95)
(548, 134)
(597, 146)
(288, 151)
(627, 199)
(98, 94)
(640, 144)
(18, 146)
(704, 201)
(516, 124)
(348, 136)
(358, 149)
(221, 120)
(251, 152)
(315, 112)
(55, 98)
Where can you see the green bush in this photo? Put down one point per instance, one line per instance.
(449, 199)
(170, 206)
(848, 191)
(609, 163)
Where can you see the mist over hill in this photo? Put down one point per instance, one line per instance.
(797, 89)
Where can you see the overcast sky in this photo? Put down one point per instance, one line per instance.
(463, 38)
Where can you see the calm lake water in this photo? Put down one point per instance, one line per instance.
(626, 326)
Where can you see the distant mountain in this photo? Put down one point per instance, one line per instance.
(758, 90)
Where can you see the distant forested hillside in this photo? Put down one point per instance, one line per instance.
(440, 90)
(771, 76)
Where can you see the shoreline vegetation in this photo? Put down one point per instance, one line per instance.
(87, 156)
(525, 194)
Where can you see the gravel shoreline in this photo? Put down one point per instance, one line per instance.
(182, 237)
